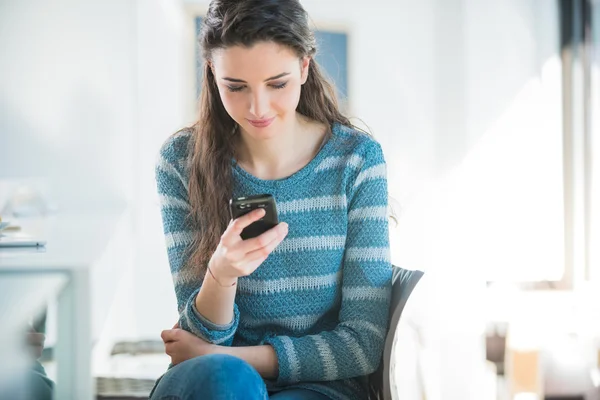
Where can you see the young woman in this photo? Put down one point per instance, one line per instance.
(301, 311)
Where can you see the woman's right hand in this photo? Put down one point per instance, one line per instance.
(235, 257)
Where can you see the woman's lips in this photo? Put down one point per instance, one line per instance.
(261, 123)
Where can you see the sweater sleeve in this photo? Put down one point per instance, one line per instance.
(354, 347)
(172, 186)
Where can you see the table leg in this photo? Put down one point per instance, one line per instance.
(74, 344)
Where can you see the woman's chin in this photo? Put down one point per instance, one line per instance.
(261, 133)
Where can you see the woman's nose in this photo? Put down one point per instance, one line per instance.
(259, 105)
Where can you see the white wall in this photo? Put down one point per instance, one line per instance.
(67, 98)
(160, 46)
(68, 116)
(88, 92)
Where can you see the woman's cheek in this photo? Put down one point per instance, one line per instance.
(288, 99)
(233, 104)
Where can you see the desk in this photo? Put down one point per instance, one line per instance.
(67, 266)
(14, 312)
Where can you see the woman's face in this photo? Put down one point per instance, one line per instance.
(260, 86)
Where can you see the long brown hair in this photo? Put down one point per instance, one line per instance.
(242, 23)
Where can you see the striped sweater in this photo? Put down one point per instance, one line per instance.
(321, 299)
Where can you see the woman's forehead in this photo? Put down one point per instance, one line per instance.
(261, 61)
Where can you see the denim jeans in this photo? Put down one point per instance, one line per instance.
(220, 377)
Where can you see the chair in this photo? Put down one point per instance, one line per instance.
(403, 283)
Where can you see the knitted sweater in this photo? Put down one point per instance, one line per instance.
(321, 299)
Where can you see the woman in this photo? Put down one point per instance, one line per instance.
(299, 312)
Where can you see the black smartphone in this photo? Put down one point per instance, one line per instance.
(243, 205)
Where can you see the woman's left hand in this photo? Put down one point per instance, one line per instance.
(182, 345)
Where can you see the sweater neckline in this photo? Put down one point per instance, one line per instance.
(297, 176)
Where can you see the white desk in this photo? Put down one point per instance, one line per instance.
(75, 244)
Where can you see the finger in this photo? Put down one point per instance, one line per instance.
(263, 252)
(240, 223)
(176, 326)
(167, 335)
(264, 239)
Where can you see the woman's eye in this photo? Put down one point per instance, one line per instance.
(240, 88)
(279, 85)
(235, 88)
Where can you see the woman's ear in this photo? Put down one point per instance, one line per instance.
(304, 64)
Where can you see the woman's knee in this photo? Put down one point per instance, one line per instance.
(213, 376)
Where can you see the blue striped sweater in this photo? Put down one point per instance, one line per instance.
(321, 299)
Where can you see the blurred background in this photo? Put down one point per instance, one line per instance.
(488, 112)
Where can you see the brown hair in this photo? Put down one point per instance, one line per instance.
(242, 23)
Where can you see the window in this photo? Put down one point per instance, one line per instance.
(510, 215)
(580, 87)
(593, 31)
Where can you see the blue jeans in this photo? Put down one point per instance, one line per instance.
(220, 377)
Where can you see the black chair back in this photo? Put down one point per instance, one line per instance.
(403, 284)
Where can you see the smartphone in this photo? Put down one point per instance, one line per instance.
(243, 205)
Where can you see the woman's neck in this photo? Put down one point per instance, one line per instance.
(283, 154)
